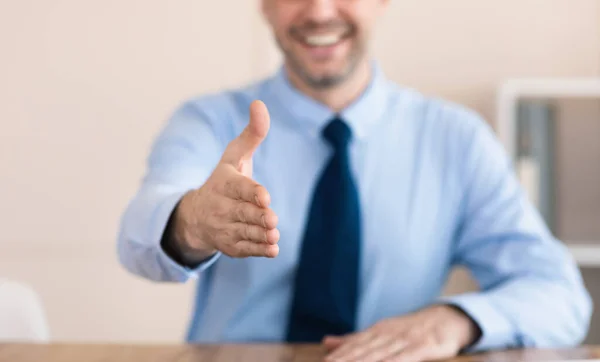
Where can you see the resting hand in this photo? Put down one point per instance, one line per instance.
(437, 332)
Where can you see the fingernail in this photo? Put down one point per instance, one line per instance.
(263, 221)
(256, 199)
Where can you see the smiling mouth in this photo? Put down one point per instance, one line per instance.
(322, 39)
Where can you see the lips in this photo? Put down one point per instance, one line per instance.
(324, 36)
(323, 40)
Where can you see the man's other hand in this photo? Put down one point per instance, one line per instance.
(437, 332)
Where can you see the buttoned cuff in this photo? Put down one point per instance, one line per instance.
(175, 271)
(496, 330)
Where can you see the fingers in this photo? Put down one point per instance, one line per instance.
(241, 223)
(376, 348)
(370, 349)
(351, 348)
(242, 147)
(240, 187)
(256, 234)
(252, 240)
(382, 348)
(403, 339)
(247, 213)
(249, 248)
(424, 350)
(412, 353)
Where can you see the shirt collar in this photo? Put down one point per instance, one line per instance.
(313, 116)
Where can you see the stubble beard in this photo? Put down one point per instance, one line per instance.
(326, 81)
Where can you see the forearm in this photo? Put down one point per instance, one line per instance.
(532, 291)
(530, 310)
(181, 158)
(546, 313)
(142, 229)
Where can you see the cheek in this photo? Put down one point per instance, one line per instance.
(281, 26)
(364, 15)
(282, 15)
(364, 26)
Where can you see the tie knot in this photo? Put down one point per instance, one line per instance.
(338, 134)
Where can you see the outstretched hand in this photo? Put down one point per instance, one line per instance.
(230, 212)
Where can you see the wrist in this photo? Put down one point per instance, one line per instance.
(181, 245)
(192, 255)
(470, 332)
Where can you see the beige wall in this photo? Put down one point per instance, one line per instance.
(85, 86)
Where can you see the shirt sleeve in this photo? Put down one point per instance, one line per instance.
(181, 159)
(532, 293)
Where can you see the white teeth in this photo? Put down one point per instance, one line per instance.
(323, 39)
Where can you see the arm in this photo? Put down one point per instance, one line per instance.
(181, 159)
(198, 201)
(532, 294)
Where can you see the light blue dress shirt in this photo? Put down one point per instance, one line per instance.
(437, 191)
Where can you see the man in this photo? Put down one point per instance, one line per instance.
(327, 204)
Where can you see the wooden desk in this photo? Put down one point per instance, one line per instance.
(236, 353)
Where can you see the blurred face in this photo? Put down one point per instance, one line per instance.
(323, 41)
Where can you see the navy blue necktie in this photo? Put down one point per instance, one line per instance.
(326, 284)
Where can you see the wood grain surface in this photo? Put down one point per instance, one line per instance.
(239, 353)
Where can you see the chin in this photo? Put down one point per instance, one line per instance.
(325, 80)
(321, 72)
(329, 67)
(336, 69)
(328, 72)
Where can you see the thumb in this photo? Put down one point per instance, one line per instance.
(242, 147)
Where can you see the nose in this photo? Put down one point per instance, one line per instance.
(322, 10)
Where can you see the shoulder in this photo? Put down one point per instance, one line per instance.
(450, 123)
(448, 132)
(437, 110)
